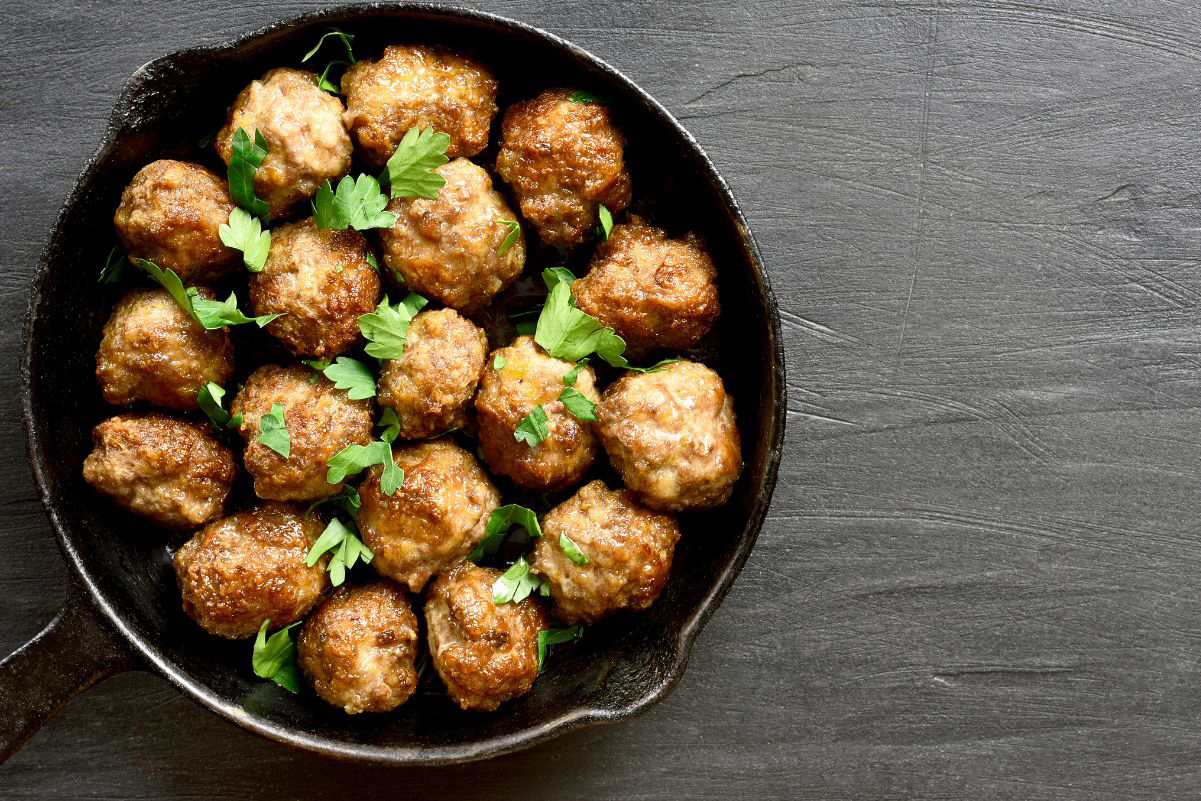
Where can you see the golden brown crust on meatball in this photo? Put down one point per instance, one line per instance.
(170, 213)
(430, 388)
(563, 159)
(417, 86)
(153, 351)
(530, 377)
(671, 435)
(486, 654)
(322, 282)
(171, 471)
(653, 291)
(436, 517)
(628, 547)
(307, 143)
(249, 567)
(320, 420)
(448, 247)
(358, 648)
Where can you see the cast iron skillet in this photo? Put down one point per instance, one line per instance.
(123, 609)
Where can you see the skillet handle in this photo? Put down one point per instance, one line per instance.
(75, 650)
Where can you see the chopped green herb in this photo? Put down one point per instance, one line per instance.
(554, 276)
(659, 365)
(573, 553)
(347, 500)
(516, 584)
(572, 375)
(387, 327)
(499, 523)
(274, 658)
(209, 398)
(348, 549)
(245, 233)
(358, 203)
(410, 170)
(580, 407)
(586, 98)
(525, 321)
(371, 260)
(273, 431)
(511, 237)
(351, 375)
(244, 162)
(532, 429)
(353, 459)
(606, 222)
(323, 81)
(209, 314)
(114, 267)
(390, 425)
(498, 362)
(567, 333)
(551, 637)
(346, 38)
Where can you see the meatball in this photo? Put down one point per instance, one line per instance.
(171, 471)
(307, 143)
(320, 421)
(170, 213)
(322, 282)
(654, 291)
(486, 654)
(530, 378)
(449, 247)
(359, 648)
(248, 568)
(672, 437)
(436, 517)
(415, 86)
(153, 351)
(628, 548)
(563, 159)
(430, 388)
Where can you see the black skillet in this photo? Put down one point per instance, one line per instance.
(123, 610)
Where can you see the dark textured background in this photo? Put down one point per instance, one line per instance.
(979, 577)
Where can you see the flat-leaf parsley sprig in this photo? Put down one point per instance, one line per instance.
(323, 82)
(274, 657)
(499, 523)
(410, 170)
(387, 327)
(347, 549)
(244, 162)
(358, 203)
(208, 314)
(245, 233)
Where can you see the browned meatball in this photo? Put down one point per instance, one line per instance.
(529, 378)
(322, 282)
(435, 519)
(430, 388)
(153, 351)
(563, 159)
(672, 437)
(307, 143)
(320, 420)
(170, 213)
(628, 548)
(359, 648)
(416, 86)
(171, 471)
(249, 567)
(486, 654)
(654, 291)
(449, 247)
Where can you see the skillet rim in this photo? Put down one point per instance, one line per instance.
(577, 718)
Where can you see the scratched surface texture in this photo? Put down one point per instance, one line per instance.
(980, 576)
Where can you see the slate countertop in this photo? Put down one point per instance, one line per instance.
(979, 575)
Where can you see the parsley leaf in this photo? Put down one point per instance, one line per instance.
(571, 550)
(499, 362)
(348, 549)
(346, 38)
(114, 267)
(549, 637)
(580, 407)
(352, 375)
(245, 160)
(511, 237)
(354, 459)
(209, 399)
(516, 584)
(410, 170)
(245, 233)
(606, 221)
(347, 500)
(499, 523)
(358, 203)
(274, 658)
(387, 327)
(532, 429)
(390, 425)
(573, 374)
(586, 98)
(659, 365)
(567, 333)
(273, 431)
(208, 314)
(554, 276)
(525, 321)
(169, 281)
